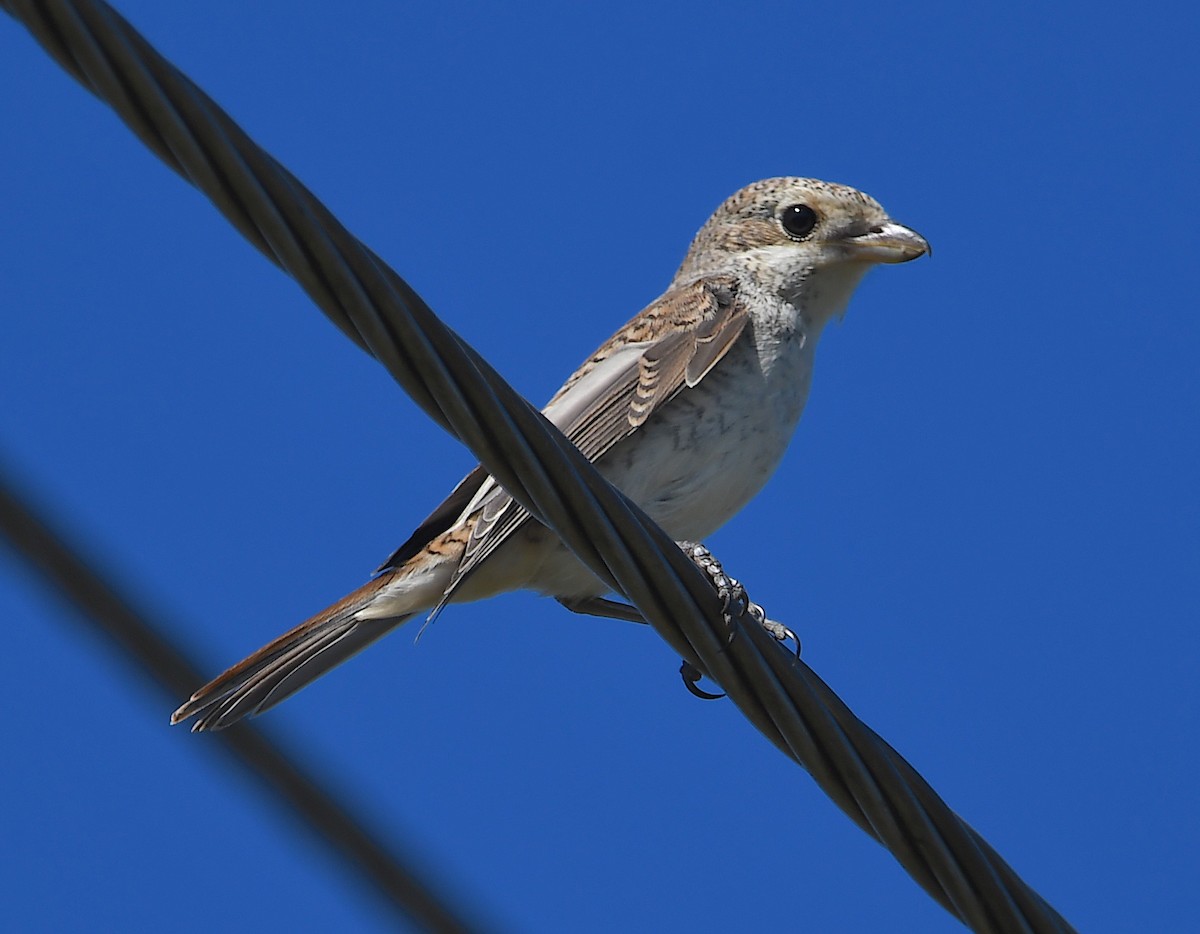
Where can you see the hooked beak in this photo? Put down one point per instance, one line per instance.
(887, 243)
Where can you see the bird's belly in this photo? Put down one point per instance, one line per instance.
(708, 452)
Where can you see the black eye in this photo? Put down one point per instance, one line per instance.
(798, 220)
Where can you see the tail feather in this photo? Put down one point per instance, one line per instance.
(282, 667)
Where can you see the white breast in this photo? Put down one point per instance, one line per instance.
(704, 455)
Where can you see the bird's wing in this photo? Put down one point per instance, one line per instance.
(666, 349)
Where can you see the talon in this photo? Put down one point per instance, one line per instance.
(780, 633)
(691, 674)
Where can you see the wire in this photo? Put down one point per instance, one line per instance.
(377, 309)
(131, 631)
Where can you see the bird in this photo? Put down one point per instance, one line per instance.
(687, 409)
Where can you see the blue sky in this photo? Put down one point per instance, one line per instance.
(985, 531)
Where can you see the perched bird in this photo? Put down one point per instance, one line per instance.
(687, 409)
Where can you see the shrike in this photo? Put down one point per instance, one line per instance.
(687, 409)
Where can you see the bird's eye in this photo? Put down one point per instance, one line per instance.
(798, 220)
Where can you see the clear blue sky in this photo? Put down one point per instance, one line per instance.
(986, 530)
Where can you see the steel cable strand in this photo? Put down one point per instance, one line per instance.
(1014, 906)
(819, 745)
(860, 768)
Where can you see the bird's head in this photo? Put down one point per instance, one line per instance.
(795, 233)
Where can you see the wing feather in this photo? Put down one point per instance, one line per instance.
(438, 521)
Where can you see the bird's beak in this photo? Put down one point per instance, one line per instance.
(887, 243)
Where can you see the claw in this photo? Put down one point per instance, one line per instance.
(780, 633)
(691, 674)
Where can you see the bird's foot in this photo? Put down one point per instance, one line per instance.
(734, 599)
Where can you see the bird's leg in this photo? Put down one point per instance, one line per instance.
(613, 609)
(602, 607)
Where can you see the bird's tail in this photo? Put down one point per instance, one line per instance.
(281, 668)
